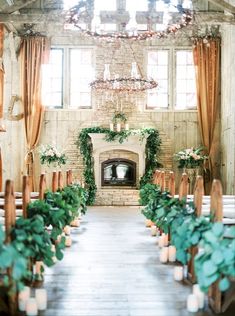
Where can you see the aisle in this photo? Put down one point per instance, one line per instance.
(113, 269)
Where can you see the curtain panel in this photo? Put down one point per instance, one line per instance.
(1, 89)
(34, 51)
(206, 55)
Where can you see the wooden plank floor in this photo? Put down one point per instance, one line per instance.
(113, 269)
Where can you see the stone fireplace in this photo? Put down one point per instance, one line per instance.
(118, 172)
(118, 168)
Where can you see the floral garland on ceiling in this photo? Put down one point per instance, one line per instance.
(84, 143)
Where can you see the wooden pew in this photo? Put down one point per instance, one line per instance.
(69, 177)
(42, 186)
(198, 195)
(218, 301)
(162, 181)
(54, 181)
(156, 177)
(10, 219)
(60, 180)
(184, 186)
(171, 183)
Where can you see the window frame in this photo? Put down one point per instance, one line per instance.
(66, 77)
(172, 79)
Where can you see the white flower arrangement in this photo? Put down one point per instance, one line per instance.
(50, 155)
(190, 157)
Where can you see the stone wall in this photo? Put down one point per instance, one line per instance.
(228, 109)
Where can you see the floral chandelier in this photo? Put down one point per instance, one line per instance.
(124, 84)
(173, 15)
(134, 83)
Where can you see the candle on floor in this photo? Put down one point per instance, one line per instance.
(161, 241)
(67, 230)
(126, 126)
(172, 253)
(68, 241)
(200, 295)
(153, 230)
(31, 307)
(164, 255)
(111, 126)
(192, 303)
(148, 223)
(75, 223)
(53, 250)
(178, 273)
(23, 298)
(165, 239)
(118, 127)
(41, 298)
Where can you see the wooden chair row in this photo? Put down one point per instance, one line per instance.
(24, 197)
(216, 202)
(10, 210)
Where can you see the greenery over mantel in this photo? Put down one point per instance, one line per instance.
(152, 151)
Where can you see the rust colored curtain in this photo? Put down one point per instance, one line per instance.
(34, 52)
(207, 64)
(1, 90)
(0, 170)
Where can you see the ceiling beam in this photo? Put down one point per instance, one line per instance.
(224, 5)
(56, 18)
(18, 4)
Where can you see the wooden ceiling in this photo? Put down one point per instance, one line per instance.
(16, 13)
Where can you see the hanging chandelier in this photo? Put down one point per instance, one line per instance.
(163, 17)
(120, 88)
(134, 83)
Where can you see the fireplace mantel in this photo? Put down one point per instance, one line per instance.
(131, 144)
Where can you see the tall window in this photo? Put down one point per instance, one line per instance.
(52, 83)
(66, 78)
(185, 81)
(158, 70)
(175, 74)
(81, 74)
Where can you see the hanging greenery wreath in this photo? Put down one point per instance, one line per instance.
(84, 143)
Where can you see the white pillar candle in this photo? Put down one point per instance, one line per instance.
(67, 230)
(126, 126)
(118, 127)
(23, 298)
(41, 298)
(68, 241)
(111, 126)
(31, 307)
(200, 295)
(153, 230)
(161, 241)
(192, 303)
(148, 223)
(165, 239)
(164, 255)
(75, 223)
(178, 273)
(53, 250)
(172, 254)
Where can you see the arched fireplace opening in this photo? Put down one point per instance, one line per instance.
(118, 172)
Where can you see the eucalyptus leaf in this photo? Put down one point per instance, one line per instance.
(218, 229)
(217, 257)
(224, 284)
(209, 268)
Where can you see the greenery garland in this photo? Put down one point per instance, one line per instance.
(152, 151)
